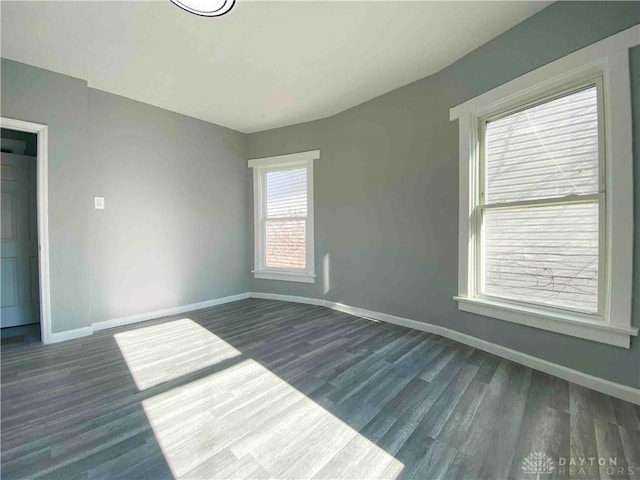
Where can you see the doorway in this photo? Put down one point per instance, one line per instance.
(25, 312)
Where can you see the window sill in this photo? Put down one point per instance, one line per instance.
(576, 325)
(284, 276)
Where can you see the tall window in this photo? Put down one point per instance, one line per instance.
(546, 197)
(283, 217)
(541, 194)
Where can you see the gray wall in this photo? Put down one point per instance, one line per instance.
(173, 231)
(386, 190)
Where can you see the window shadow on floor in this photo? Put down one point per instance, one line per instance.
(391, 402)
(372, 399)
(312, 392)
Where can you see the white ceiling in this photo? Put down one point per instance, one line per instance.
(263, 65)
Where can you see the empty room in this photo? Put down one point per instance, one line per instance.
(320, 239)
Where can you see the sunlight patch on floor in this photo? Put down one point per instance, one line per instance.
(164, 352)
(245, 421)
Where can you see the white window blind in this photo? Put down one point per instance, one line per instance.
(540, 204)
(549, 150)
(286, 218)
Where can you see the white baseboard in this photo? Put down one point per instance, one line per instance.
(141, 317)
(290, 298)
(617, 390)
(56, 337)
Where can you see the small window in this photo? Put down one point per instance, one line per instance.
(542, 190)
(546, 197)
(283, 217)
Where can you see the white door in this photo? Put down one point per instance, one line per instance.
(19, 251)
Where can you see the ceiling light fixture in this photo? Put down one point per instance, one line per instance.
(206, 8)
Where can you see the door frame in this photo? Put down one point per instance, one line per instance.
(42, 133)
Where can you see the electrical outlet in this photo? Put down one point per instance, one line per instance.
(98, 202)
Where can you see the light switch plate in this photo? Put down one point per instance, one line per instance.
(98, 202)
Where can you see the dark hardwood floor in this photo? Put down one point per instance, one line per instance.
(266, 389)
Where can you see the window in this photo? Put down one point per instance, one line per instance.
(283, 217)
(541, 192)
(546, 197)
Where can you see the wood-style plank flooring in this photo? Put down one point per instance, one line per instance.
(266, 389)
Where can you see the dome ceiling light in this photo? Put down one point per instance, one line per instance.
(206, 8)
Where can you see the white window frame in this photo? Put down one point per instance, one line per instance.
(261, 166)
(608, 60)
